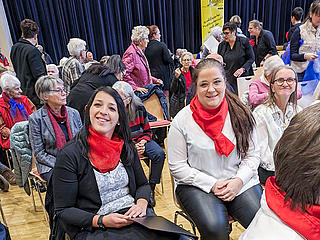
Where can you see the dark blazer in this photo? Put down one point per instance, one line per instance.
(75, 190)
(87, 84)
(43, 139)
(159, 59)
(29, 66)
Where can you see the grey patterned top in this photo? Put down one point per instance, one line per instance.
(114, 190)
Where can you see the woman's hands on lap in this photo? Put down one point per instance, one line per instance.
(116, 220)
(227, 190)
(137, 210)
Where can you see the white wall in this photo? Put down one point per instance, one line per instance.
(5, 36)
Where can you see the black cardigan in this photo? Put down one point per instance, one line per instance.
(75, 190)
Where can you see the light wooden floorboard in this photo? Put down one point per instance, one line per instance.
(25, 224)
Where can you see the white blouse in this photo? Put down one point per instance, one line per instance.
(194, 161)
(270, 127)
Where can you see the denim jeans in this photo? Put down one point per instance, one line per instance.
(157, 156)
(211, 214)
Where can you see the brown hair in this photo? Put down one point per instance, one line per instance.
(297, 160)
(314, 9)
(256, 23)
(242, 120)
(152, 31)
(293, 97)
(29, 28)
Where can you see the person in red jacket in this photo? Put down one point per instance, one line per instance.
(3, 59)
(14, 107)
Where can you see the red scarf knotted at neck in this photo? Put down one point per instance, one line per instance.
(212, 122)
(55, 119)
(104, 152)
(307, 224)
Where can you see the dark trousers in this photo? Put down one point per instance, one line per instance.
(264, 174)
(211, 214)
(301, 76)
(157, 156)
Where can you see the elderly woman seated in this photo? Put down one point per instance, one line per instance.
(52, 70)
(52, 125)
(141, 133)
(98, 183)
(14, 108)
(274, 116)
(138, 72)
(98, 75)
(290, 205)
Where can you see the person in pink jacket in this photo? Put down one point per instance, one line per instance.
(138, 73)
(259, 88)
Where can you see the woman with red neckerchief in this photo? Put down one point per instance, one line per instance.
(290, 205)
(213, 155)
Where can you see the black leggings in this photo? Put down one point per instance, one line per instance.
(211, 214)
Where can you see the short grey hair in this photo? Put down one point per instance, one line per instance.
(138, 33)
(8, 81)
(216, 31)
(272, 63)
(53, 66)
(46, 83)
(127, 91)
(185, 54)
(75, 46)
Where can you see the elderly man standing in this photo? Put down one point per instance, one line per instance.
(52, 70)
(73, 68)
(26, 59)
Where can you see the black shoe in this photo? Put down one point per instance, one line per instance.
(4, 184)
(152, 200)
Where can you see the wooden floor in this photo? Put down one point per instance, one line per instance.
(25, 224)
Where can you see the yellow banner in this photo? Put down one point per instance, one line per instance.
(212, 14)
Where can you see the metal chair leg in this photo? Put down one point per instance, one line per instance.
(32, 194)
(8, 159)
(42, 203)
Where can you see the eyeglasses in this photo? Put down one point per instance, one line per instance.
(186, 60)
(60, 90)
(226, 33)
(289, 81)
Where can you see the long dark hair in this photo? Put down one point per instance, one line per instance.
(122, 130)
(242, 120)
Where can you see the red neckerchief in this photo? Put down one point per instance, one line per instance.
(307, 224)
(57, 118)
(104, 152)
(212, 122)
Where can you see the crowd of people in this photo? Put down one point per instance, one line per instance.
(256, 161)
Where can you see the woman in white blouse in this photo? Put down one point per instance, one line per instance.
(274, 115)
(213, 155)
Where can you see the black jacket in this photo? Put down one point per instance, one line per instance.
(75, 191)
(159, 60)
(87, 84)
(29, 66)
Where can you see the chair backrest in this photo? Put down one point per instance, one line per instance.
(243, 85)
(153, 106)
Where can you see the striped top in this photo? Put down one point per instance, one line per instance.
(140, 128)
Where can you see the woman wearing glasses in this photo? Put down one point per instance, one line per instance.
(138, 73)
(181, 83)
(237, 53)
(274, 115)
(52, 125)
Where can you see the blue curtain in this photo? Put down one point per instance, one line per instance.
(106, 24)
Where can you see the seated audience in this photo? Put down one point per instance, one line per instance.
(89, 60)
(290, 204)
(237, 53)
(305, 41)
(52, 70)
(213, 155)
(180, 84)
(14, 108)
(273, 116)
(98, 182)
(73, 68)
(96, 76)
(52, 125)
(138, 73)
(141, 134)
(262, 42)
(260, 87)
